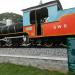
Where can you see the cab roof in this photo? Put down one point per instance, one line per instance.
(44, 5)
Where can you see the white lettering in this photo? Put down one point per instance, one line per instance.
(65, 25)
(54, 27)
(60, 26)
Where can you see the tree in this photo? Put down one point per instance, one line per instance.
(15, 17)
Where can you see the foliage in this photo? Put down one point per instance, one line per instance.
(11, 15)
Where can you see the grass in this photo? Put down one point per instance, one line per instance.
(12, 69)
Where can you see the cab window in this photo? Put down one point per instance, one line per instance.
(26, 18)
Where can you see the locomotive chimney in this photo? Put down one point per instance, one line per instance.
(8, 22)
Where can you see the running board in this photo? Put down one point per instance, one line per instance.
(5, 39)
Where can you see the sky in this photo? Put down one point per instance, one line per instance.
(17, 5)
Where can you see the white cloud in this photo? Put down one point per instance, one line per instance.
(68, 3)
(17, 5)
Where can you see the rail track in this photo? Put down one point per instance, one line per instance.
(35, 46)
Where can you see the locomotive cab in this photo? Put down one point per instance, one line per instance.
(35, 17)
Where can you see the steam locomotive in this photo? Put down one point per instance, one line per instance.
(43, 25)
